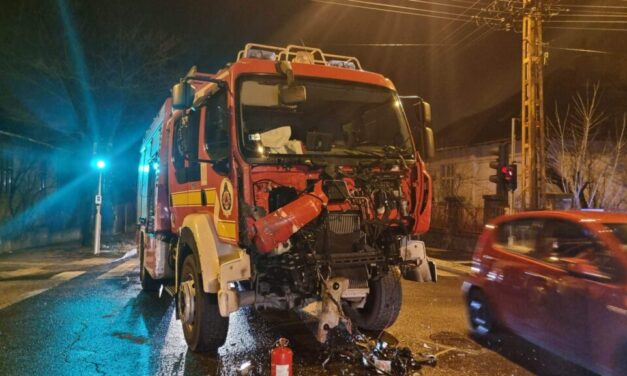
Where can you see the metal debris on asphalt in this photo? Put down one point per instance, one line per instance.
(381, 355)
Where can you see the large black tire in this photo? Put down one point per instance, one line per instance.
(148, 283)
(383, 303)
(480, 317)
(208, 329)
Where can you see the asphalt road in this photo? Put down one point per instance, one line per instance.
(97, 321)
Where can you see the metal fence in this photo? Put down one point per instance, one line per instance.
(455, 217)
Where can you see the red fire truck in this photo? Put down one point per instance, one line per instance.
(290, 179)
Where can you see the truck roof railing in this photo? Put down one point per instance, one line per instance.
(298, 54)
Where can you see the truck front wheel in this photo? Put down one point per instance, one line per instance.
(383, 303)
(204, 329)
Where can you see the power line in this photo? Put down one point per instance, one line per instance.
(450, 35)
(584, 50)
(386, 44)
(592, 14)
(595, 6)
(394, 11)
(586, 21)
(440, 4)
(401, 7)
(585, 28)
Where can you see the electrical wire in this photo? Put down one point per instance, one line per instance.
(584, 28)
(401, 7)
(330, 2)
(594, 6)
(608, 15)
(585, 21)
(441, 4)
(584, 50)
(446, 38)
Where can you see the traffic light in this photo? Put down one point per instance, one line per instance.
(510, 174)
(500, 165)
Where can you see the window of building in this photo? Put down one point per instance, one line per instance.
(447, 179)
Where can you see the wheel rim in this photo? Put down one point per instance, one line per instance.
(187, 301)
(479, 315)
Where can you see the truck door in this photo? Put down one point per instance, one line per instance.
(184, 174)
(217, 177)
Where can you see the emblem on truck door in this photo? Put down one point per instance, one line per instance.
(226, 197)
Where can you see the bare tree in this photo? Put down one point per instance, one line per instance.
(82, 73)
(586, 154)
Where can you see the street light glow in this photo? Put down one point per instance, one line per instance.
(101, 164)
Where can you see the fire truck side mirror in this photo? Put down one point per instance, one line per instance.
(182, 96)
(423, 113)
(429, 143)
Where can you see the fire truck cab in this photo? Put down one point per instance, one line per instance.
(287, 180)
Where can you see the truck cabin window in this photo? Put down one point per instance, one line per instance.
(217, 127)
(185, 148)
(337, 119)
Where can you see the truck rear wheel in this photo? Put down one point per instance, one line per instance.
(383, 303)
(148, 283)
(204, 329)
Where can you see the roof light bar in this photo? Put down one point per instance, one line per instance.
(298, 54)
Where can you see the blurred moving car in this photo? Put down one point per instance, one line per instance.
(557, 279)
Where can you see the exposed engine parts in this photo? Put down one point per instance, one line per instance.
(329, 239)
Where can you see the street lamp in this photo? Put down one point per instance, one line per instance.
(100, 165)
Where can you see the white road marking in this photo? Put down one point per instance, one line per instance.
(22, 297)
(20, 272)
(54, 281)
(121, 270)
(93, 261)
(66, 276)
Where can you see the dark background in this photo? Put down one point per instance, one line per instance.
(86, 77)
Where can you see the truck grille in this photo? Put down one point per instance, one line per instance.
(343, 223)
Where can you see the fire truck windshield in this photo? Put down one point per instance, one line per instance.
(337, 119)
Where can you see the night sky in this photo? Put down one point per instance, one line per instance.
(461, 68)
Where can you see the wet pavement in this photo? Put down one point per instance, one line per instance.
(101, 323)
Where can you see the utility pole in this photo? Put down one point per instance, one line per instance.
(532, 111)
(508, 15)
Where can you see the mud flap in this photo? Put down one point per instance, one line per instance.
(233, 268)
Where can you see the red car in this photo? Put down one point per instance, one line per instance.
(557, 279)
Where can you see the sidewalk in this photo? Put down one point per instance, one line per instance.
(28, 272)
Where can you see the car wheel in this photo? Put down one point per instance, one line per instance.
(383, 303)
(479, 315)
(203, 326)
(148, 283)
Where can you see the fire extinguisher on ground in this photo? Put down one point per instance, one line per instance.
(281, 358)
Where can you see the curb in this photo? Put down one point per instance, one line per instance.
(451, 267)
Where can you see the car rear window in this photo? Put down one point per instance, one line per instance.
(620, 231)
(519, 236)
